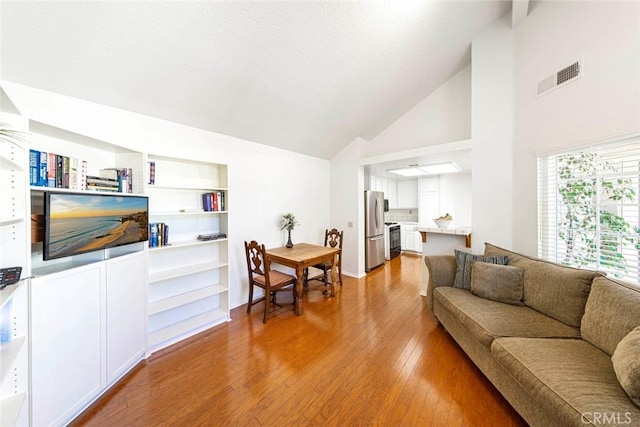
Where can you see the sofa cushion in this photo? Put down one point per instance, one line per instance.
(486, 319)
(502, 283)
(463, 266)
(567, 377)
(555, 290)
(626, 364)
(612, 311)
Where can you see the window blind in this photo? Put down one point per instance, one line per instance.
(588, 208)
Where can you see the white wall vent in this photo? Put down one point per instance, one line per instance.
(560, 78)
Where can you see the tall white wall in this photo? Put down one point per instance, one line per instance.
(347, 205)
(605, 102)
(511, 126)
(444, 116)
(492, 99)
(264, 182)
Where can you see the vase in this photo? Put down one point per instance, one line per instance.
(289, 243)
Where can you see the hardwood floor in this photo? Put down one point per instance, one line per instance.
(373, 355)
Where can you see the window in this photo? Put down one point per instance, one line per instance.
(588, 209)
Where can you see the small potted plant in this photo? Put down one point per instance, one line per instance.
(288, 222)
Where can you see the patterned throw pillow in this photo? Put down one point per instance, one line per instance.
(463, 267)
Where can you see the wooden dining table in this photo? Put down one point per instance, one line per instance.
(300, 257)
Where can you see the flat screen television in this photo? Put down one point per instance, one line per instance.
(80, 223)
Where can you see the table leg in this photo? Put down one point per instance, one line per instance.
(297, 291)
(334, 274)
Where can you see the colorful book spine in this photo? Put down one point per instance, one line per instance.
(214, 196)
(206, 202)
(59, 171)
(51, 170)
(43, 175)
(34, 167)
(73, 174)
(83, 176)
(153, 235)
(152, 173)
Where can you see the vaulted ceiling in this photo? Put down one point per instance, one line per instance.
(306, 76)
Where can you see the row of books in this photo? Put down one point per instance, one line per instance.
(113, 180)
(57, 171)
(213, 201)
(158, 234)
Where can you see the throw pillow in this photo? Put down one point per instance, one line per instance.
(626, 364)
(503, 283)
(462, 278)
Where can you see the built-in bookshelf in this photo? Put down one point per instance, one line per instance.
(133, 299)
(14, 311)
(188, 277)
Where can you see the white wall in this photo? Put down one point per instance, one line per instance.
(605, 102)
(264, 182)
(347, 205)
(492, 100)
(444, 116)
(455, 197)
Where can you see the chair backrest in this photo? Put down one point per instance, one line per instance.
(257, 262)
(333, 238)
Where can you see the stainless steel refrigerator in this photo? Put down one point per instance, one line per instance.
(373, 229)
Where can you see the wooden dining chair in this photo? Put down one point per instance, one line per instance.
(261, 275)
(332, 238)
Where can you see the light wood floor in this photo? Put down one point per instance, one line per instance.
(373, 355)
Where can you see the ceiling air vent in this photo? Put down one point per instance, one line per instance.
(560, 78)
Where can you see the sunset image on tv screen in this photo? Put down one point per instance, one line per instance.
(80, 223)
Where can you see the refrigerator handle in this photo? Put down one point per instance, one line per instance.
(373, 239)
(376, 214)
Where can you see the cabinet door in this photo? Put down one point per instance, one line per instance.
(408, 194)
(417, 241)
(125, 277)
(66, 357)
(393, 194)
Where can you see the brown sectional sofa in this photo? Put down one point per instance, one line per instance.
(550, 356)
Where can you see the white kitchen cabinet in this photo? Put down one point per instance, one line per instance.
(411, 240)
(408, 194)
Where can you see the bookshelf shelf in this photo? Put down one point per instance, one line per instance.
(9, 221)
(187, 213)
(184, 188)
(187, 327)
(11, 408)
(186, 243)
(8, 354)
(184, 270)
(35, 188)
(185, 298)
(8, 164)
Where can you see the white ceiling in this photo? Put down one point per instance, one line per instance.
(306, 76)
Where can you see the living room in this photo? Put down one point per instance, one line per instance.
(492, 102)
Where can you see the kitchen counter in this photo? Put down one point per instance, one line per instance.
(464, 231)
(442, 241)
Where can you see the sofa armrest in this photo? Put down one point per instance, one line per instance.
(441, 270)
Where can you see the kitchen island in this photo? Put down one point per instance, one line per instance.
(442, 241)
